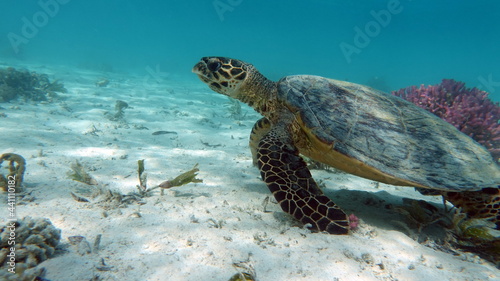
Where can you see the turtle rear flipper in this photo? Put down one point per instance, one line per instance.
(479, 204)
(483, 203)
(287, 176)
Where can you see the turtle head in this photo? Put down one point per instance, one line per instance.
(223, 75)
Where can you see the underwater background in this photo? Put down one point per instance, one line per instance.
(120, 146)
(385, 44)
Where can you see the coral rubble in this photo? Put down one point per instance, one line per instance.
(468, 109)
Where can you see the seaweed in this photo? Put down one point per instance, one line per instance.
(242, 276)
(17, 167)
(51, 88)
(78, 173)
(7, 93)
(421, 213)
(120, 107)
(97, 243)
(182, 179)
(143, 177)
(246, 271)
(108, 199)
(470, 230)
(477, 235)
(29, 85)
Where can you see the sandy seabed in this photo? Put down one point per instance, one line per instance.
(197, 231)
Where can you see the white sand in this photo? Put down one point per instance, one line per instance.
(175, 237)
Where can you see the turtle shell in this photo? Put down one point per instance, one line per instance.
(383, 137)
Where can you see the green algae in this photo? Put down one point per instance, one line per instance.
(184, 178)
(78, 173)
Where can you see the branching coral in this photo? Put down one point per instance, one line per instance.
(469, 110)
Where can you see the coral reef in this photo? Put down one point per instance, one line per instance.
(29, 85)
(24, 244)
(469, 110)
(17, 166)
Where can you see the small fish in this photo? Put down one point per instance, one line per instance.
(163, 133)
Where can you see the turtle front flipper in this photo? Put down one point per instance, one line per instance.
(287, 176)
(259, 130)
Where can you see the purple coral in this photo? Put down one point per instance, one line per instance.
(469, 110)
(353, 222)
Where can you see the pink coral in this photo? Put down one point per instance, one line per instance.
(353, 221)
(469, 110)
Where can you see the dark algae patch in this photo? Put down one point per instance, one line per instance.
(15, 84)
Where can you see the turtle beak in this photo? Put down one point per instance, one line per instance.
(198, 67)
(201, 70)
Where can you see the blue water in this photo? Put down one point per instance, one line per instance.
(396, 43)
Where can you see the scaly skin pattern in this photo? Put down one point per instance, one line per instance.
(288, 178)
(478, 204)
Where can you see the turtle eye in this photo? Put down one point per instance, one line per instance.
(214, 66)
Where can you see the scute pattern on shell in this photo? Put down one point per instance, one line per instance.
(389, 134)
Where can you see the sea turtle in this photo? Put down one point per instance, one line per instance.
(356, 129)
